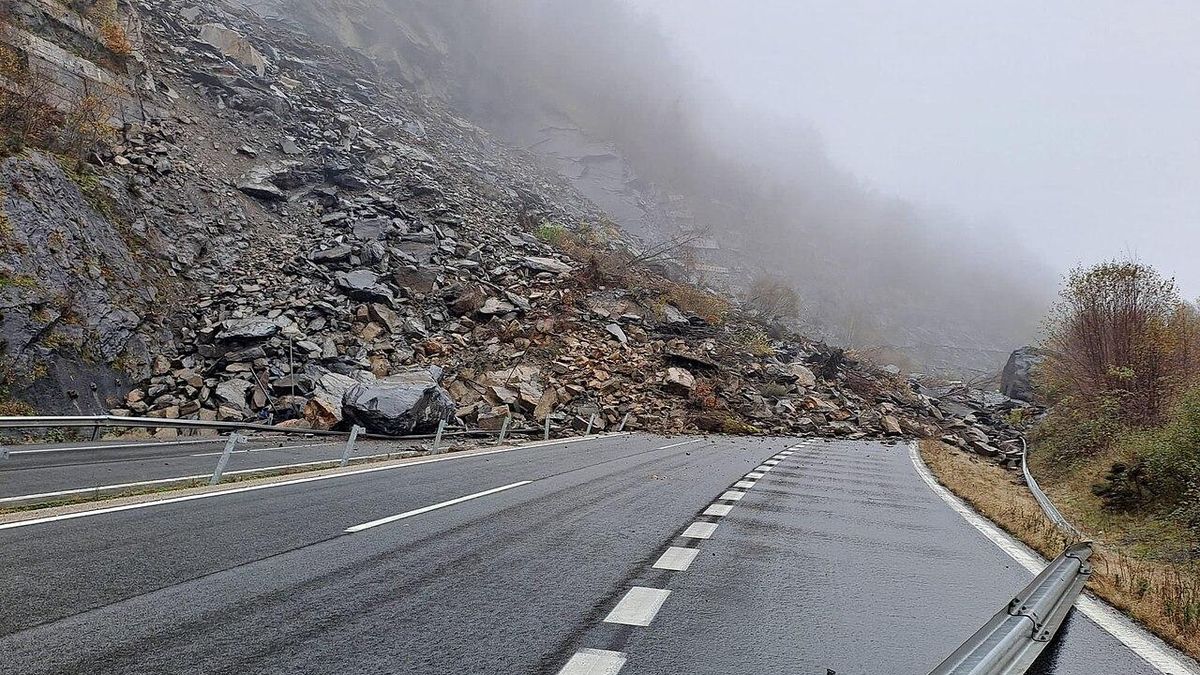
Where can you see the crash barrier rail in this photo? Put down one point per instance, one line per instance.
(1048, 506)
(1017, 634)
(238, 432)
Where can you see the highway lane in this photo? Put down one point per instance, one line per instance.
(49, 469)
(836, 557)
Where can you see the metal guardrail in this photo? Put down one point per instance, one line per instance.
(1048, 506)
(1017, 634)
(105, 421)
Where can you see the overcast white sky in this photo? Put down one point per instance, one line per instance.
(1074, 126)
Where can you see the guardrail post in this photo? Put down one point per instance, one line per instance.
(95, 433)
(437, 438)
(234, 439)
(546, 428)
(503, 430)
(591, 422)
(354, 432)
(623, 421)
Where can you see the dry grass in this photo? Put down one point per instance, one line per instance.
(1163, 597)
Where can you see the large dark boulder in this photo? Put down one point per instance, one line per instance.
(1016, 381)
(398, 405)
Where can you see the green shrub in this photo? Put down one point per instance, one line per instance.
(1077, 428)
(551, 233)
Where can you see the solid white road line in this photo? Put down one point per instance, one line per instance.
(176, 479)
(594, 662)
(676, 445)
(754, 475)
(433, 507)
(117, 446)
(677, 558)
(699, 530)
(296, 481)
(744, 484)
(638, 607)
(732, 495)
(1154, 651)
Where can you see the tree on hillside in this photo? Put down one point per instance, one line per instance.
(1120, 335)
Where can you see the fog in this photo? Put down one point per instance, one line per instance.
(921, 173)
(1073, 128)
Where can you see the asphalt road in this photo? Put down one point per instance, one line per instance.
(531, 561)
(67, 467)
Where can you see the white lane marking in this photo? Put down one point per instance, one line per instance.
(677, 558)
(146, 444)
(754, 475)
(176, 479)
(1155, 652)
(771, 462)
(282, 447)
(638, 607)
(433, 507)
(744, 484)
(296, 481)
(763, 468)
(786, 453)
(718, 510)
(732, 495)
(594, 662)
(676, 445)
(699, 530)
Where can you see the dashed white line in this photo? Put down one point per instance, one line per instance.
(594, 662)
(763, 468)
(732, 495)
(718, 510)
(699, 530)
(433, 507)
(771, 462)
(744, 484)
(638, 607)
(755, 475)
(677, 558)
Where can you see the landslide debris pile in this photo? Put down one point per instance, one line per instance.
(340, 250)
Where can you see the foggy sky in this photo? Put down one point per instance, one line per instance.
(1073, 127)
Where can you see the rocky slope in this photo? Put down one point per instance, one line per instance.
(286, 232)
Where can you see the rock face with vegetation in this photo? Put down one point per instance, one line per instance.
(284, 231)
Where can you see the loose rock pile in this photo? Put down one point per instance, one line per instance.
(344, 251)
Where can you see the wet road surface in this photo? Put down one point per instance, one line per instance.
(668, 555)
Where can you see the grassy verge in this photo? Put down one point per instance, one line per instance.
(1162, 596)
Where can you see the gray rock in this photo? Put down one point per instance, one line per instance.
(396, 407)
(615, 330)
(1016, 381)
(546, 265)
(363, 285)
(254, 328)
(332, 255)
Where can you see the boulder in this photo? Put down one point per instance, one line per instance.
(233, 45)
(890, 425)
(363, 285)
(804, 376)
(552, 265)
(398, 405)
(679, 380)
(241, 330)
(1016, 379)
